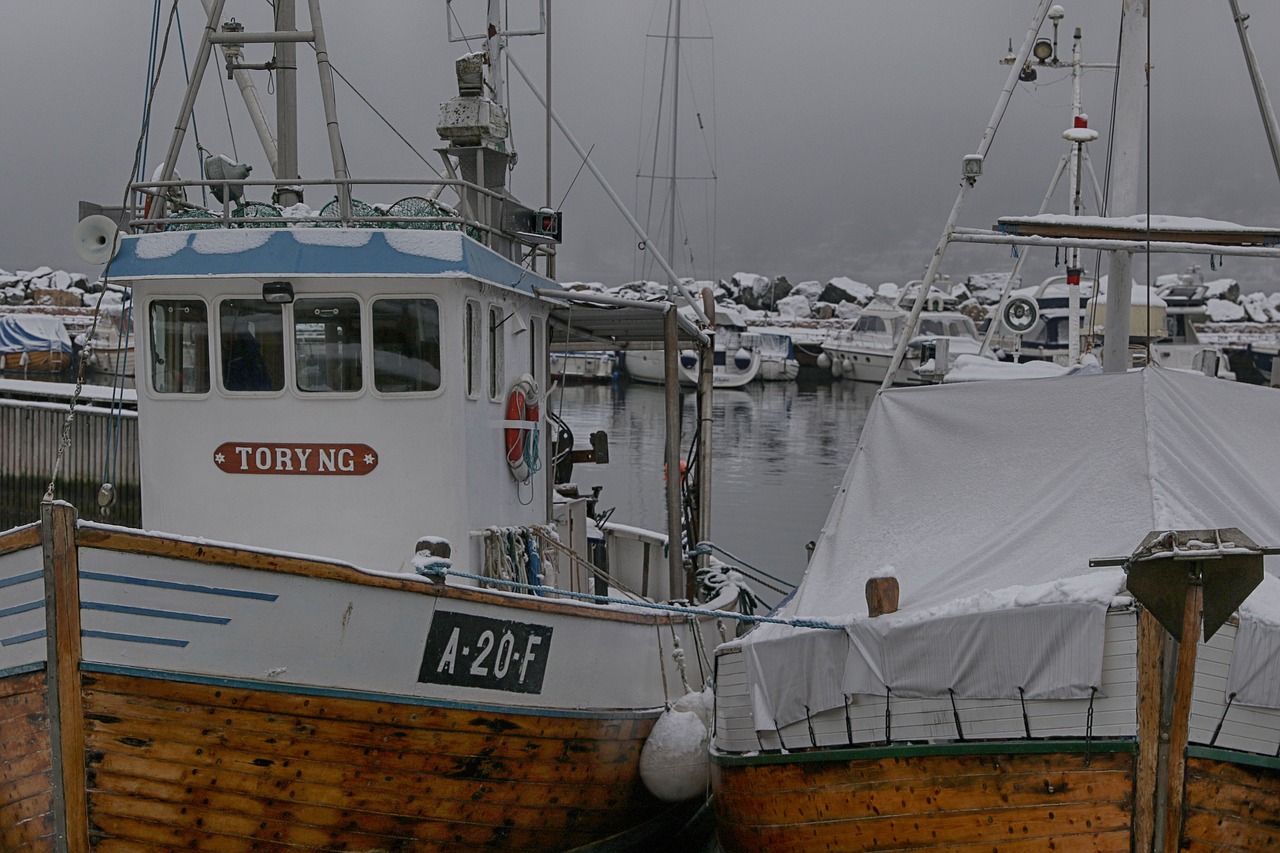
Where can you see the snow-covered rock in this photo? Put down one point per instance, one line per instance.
(794, 307)
(1222, 311)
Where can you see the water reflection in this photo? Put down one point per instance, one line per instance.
(779, 451)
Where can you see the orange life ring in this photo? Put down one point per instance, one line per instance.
(522, 407)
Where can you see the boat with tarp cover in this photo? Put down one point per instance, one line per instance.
(1042, 613)
(374, 619)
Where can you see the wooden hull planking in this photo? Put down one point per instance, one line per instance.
(203, 766)
(929, 799)
(1010, 802)
(38, 361)
(26, 776)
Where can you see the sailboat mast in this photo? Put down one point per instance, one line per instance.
(1259, 87)
(675, 133)
(1126, 139)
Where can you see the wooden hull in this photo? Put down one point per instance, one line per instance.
(928, 799)
(26, 782)
(192, 765)
(1099, 775)
(216, 698)
(52, 361)
(988, 797)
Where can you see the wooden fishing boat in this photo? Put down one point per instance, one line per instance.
(475, 662)
(34, 343)
(1042, 613)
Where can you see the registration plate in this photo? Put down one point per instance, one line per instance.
(475, 651)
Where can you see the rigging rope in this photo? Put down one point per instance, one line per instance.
(64, 440)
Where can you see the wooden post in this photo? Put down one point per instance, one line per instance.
(66, 712)
(1151, 640)
(671, 377)
(706, 385)
(1180, 722)
(882, 596)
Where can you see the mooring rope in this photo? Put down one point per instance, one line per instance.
(436, 571)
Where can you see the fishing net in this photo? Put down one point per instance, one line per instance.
(361, 211)
(192, 226)
(270, 215)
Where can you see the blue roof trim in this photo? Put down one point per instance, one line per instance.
(283, 255)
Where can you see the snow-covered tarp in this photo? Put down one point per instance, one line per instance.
(986, 500)
(21, 333)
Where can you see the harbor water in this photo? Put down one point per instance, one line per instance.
(779, 451)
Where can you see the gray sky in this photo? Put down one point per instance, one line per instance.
(839, 125)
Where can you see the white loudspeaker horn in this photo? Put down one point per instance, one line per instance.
(97, 239)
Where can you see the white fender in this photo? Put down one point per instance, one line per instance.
(675, 763)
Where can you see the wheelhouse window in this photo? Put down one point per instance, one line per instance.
(535, 347)
(406, 345)
(471, 346)
(496, 353)
(326, 343)
(252, 339)
(179, 343)
(870, 323)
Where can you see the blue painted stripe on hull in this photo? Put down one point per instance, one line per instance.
(22, 669)
(22, 638)
(182, 587)
(23, 578)
(135, 638)
(337, 693)
(22, 608)
(147, 611)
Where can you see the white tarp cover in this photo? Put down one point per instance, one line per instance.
(987, 500)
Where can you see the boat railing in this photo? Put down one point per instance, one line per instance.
(421, 208)
(509, 562)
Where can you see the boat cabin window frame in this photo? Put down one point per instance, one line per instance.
(497, 355)
(409, 345)
(248, 349)
(536, 351)
(334, 365)
(166, 342)
(471, 334)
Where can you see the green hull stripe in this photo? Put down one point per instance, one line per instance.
(1230, 756)
(998, 747)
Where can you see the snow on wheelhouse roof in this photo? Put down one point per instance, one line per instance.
(317, 251)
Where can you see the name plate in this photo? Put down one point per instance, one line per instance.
(475, 651)
(278, 458)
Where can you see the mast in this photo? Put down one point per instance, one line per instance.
(231, 54)
(675, 133)
(1259, 87)
(286, 104)
(1131, 84)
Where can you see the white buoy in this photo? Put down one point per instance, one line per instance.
(847, 367)
(675, 763)
(824, 360)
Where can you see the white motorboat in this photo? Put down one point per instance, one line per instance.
(864, 351)
(735, 363)
(595, 366)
